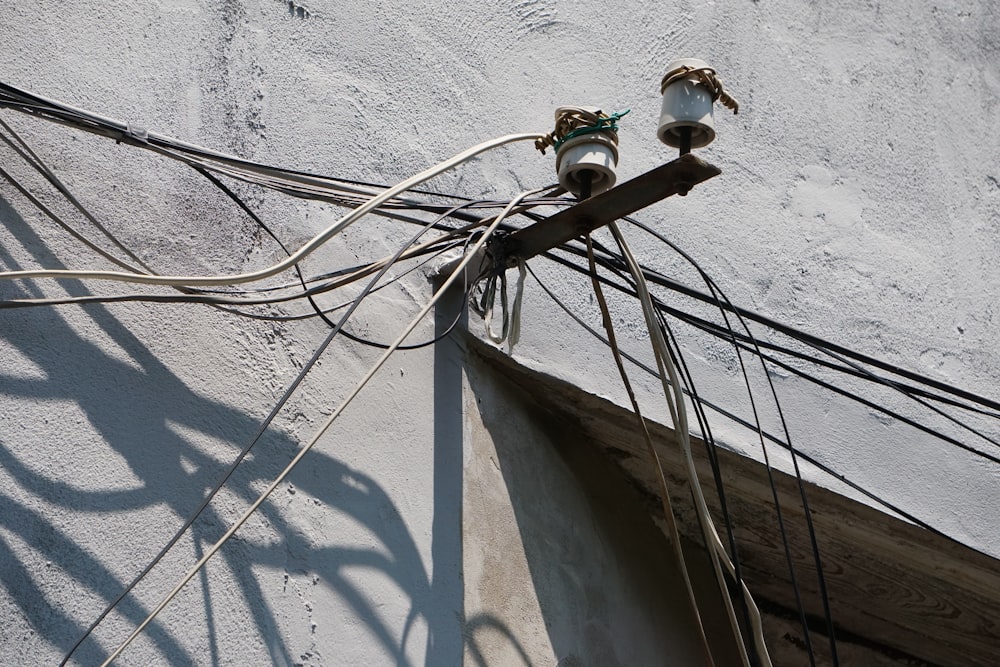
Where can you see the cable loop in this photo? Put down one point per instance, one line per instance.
(576, 121)
(707, 77)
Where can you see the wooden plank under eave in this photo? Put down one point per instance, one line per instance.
(910, 596)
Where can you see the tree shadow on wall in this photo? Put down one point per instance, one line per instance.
(132, 407)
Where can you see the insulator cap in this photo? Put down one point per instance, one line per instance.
(595, 152)
(687, 103)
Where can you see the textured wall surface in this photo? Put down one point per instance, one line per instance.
(859, 201)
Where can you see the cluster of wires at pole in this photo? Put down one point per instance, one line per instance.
(453, 223)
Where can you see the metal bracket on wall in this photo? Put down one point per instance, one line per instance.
(676, 177)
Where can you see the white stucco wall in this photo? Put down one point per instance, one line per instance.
(859, 201)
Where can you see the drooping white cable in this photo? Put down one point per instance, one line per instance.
(675, 402)
(654, 458)
(459, 270)
(510, 327)
(311, 246)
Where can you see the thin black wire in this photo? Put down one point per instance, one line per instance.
(654, 458)
(817, 559)
(710, 446)
(793, 578)
(634, 268)
(332, 309)
(748, 425)
(803, 496)
(859, 371)
(319, 311)
(24, 150)
(689, 388)
(720, 332)
(803, 337)
(715, 330)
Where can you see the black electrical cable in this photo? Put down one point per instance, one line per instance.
(293, 182)
(715, 330)
(690, 390)
(710, 448)
(713, 287)
(863, 373)
(793, 578)
(311, 314)
(654, 459)
(319, 311)
(59, 221)
(750, 426)
(810, 339)
(803, 496)
(31, 158)
(720, 332)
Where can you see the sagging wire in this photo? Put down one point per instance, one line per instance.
(308, 248)
(718, 409)
(700, 403)
(298, 271)
(817, 343)
(713, 287)
(678, 413)
(510, 328)
(710, 445)
(459, 270)
(719, 296)
(668, 511)
(636, 271)
(296, 183)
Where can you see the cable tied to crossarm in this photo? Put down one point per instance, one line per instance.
(575, 121)
(510, 329)
(707, 77)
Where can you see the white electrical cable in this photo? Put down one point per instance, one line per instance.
(297, 256)
(510, 328)
(675, 402)
(459, 270)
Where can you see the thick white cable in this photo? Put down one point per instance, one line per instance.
(459, 270)
(675, 401)
(298, 255)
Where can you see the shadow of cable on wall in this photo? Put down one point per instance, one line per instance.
(131, 407)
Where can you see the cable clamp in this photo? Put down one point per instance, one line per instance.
(136, 133)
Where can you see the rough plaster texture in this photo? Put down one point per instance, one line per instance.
(859, 200)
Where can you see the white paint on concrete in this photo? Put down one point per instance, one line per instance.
(859, 201)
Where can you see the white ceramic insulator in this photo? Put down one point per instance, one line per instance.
(686, 103)
(595, 152)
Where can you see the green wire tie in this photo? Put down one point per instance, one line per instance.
(606, 123)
